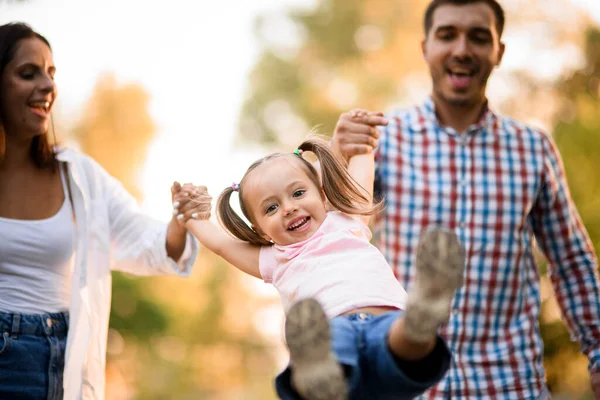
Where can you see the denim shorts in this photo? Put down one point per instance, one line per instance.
(32, 355)
(359, 342)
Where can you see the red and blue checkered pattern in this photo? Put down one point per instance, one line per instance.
(497, 186)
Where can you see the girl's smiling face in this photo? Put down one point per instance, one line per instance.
(285, 205)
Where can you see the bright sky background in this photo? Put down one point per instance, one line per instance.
(191, 56)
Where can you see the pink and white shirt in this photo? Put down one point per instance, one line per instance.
(337, 265)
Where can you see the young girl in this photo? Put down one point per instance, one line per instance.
(324, 268)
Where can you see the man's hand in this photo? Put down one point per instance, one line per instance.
(356, 132)
(595, 380)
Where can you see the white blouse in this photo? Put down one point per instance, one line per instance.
(111, 232)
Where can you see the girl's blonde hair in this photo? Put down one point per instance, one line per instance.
(340, 190)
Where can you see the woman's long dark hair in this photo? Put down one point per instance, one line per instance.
(41, 151)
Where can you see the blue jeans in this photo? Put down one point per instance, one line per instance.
(360, 343)
(32, 355)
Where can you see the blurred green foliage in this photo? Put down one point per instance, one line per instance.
(577, 135)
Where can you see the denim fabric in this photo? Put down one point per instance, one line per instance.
(32, 355)
(359, 342)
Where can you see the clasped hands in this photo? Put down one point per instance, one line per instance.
(190, 202)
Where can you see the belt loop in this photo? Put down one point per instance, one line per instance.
(16, 323)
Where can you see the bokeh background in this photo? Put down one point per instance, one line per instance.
(158, 91)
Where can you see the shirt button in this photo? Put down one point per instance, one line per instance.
(461, 224)
(463, 183)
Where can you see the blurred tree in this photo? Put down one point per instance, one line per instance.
(343, 53)
(318, 63)
(116, 130)
(577, 136)
(212, 347)
(170, 337)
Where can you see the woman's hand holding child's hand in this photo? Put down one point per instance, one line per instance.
(190, 202)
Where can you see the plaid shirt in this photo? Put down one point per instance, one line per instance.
(497, 186)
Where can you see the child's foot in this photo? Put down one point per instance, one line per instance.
(440, 266)
(316, 374)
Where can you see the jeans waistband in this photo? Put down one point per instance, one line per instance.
(366, 316)
(360, 316)
(34, 324)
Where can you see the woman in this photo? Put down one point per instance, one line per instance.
(60, 213)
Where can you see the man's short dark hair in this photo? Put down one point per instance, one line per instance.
(493, 4)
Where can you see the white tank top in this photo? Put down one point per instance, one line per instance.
(36, 258)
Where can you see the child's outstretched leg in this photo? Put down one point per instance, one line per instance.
(316, 374)
(439, 272)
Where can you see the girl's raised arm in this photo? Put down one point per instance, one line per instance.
(362, 168)
(240, 254)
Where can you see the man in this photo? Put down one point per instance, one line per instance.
(498, 184)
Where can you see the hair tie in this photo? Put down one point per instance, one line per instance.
(235, 187)
(298, 152)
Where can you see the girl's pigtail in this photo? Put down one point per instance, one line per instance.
(234, 224)
(339, 186)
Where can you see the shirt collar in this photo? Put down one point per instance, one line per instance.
(64, 154)
(426, 117)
